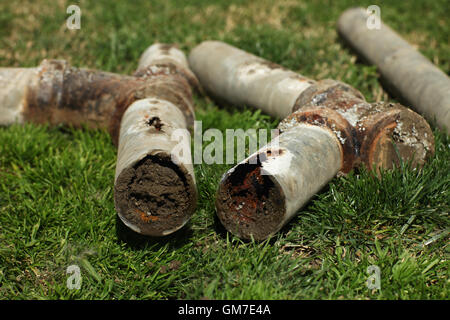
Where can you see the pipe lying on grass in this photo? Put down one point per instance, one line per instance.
(407, 73)
(328, 128)
(154, 191)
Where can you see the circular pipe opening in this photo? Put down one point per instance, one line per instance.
(250, 203)
(155, 196)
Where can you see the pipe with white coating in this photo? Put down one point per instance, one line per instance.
(409, 74)
(155, 191)
(257, 198)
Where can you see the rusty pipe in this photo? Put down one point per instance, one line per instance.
(405, 71)
(56, 93)
(158, 98)
(263, 192)
(155, 191)
(328, 128)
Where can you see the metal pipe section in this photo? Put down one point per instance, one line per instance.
(243, 79)
(405, 70)
(261, 194)
(13, 86)
(328, 128)
(155, 192)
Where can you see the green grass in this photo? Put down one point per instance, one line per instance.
(56, 196)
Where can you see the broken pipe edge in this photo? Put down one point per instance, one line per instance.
(155, 192)
(261, 194)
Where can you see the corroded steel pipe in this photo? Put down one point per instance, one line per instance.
(54, 92)
(405, 70)
(328, 128)
(154, 192)
(256, 198)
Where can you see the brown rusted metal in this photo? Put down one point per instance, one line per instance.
(62, 94)
(367, 131)
(66, 95)
(246, 197)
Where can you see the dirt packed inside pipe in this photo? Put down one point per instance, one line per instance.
(249, 203)
(155, 195)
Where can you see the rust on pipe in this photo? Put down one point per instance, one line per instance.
(155, 191)
(256, 198)
(405, 71)
(328, 128)
(57, 93)
(160, 195)
(54, 92)
(375, 134)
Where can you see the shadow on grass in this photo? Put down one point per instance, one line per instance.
(135, 240)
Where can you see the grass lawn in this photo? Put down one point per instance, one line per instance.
(56, 184)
